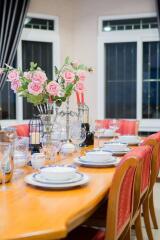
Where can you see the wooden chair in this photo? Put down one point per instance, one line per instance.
(119, 217)
(144, 155)
(120, 205)
(154, 141)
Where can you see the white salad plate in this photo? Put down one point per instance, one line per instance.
(82, 161)
(30, 179)
(40, 178)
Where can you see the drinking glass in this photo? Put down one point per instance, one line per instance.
(20, 154)
(77, 135)
(6, 164)
(99, 131)
(52, 147)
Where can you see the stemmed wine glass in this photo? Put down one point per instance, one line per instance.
(114, 125)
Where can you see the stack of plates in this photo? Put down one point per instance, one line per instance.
(97, 159)
(116, 148)
(59, 177)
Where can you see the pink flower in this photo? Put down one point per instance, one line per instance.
(39, 77)
(81, 76)
(1, 71)
(68, 76)
(79, 87)
(13, 75)
(15, 84)
(35, 88)
(53, 88)
(28, 75)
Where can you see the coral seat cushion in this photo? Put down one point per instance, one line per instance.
(99, 236)
(22, 130)
(156, 137)
(143, 153)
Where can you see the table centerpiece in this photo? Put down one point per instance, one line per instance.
(45, 94)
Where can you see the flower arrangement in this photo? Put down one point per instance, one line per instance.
(38, 89)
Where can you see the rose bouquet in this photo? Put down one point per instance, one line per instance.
(38, 89)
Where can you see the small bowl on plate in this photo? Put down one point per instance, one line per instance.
(115, 146)
(58, 172)
(130, 139)
(95, 156)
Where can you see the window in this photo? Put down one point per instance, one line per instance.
(120, 84)
(151, 80)
(129, 24)
(39, 43)
(41, 53)
(129, 69)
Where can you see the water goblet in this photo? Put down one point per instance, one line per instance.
(6, 164)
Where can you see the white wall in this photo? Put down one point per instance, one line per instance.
(78, 28)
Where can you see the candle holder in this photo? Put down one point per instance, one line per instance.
(68, 147)
(35, 134)
(83, 115)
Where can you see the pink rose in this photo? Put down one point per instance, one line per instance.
(1, 71)
(15, 84)
(35, 88)
(13, 75)
(81, 76)
(68, 76)
(28, 75)
(39, 77)
(53, 88)
(79, 87)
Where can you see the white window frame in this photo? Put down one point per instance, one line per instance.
(29, 34)
(138, 36)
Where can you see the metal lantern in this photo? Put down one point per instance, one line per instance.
(35, 134)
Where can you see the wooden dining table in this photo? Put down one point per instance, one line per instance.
(27, 212)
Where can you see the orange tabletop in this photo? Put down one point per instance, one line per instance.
(32, 213)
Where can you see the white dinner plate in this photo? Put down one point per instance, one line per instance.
(29, 179)
(40, 178)
(83, 162)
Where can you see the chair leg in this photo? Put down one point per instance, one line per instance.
(146, 218)
(128, 235)
(152, 211)
(138, 227)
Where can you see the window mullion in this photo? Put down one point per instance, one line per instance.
(139, 78)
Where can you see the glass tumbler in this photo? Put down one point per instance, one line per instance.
(6, 164)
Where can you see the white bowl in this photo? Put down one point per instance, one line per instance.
(67, 148)
(20, 159)
(96, 156)
(109, 133)
(128, 139)
(115, 146)
(37, 160)
(58, 173)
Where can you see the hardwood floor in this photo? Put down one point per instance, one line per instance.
(156, 233)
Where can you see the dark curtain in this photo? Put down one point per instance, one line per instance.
(158, 12)
(12, 16)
